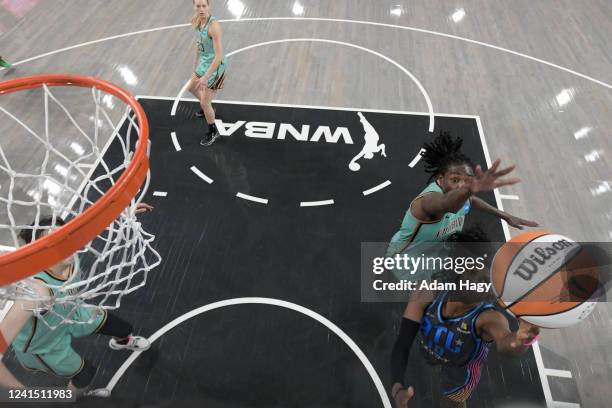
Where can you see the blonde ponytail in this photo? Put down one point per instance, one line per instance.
(196, 21)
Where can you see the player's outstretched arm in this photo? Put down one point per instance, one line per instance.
(493, 325)
(516, 222)
(492, 178)
(433, 206)
(401, 350)
(143, 207)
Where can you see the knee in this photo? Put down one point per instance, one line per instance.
(195, 92)
(193, 86)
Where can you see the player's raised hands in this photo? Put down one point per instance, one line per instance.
(492, 178)
(526, 334)
(519, 223)
(143, 207)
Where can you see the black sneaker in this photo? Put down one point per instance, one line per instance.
(207, 140)
(210, 138)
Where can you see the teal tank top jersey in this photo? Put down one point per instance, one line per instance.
(37, 337)
(416, 237)
(207, 53)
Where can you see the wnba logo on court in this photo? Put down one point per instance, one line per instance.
(306, 133)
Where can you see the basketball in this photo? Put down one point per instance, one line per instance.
(546, 279)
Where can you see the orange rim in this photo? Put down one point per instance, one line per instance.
(63, 242)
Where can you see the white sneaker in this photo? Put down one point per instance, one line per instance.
(135, 343)
(98, 393)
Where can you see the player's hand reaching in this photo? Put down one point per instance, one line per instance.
(492, 178)
(526, 335)
(519, 223)
(143, 207)
(403, 396)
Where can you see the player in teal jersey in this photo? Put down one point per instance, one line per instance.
(439, 210)
(210, 65)
(454, 331)
(40, 348)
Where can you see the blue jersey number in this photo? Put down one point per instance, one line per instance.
(441, 341)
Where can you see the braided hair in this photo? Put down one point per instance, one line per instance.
(472, 234)
(443, 153)
(476, 243)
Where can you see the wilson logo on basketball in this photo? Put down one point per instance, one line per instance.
(540, 256)
(545, 279)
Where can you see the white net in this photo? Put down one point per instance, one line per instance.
(55, 167)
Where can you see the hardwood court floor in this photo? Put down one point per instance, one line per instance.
(549, 115)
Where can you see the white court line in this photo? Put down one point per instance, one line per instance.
(181, 92)
(292, 105)
(417, 158)
(316, 203)
(559, 404)
(557, 373)
(114, 37)
(6, 248)
(498, 201)
(509, 197)
(201, 175)
(408, 28)
(262, 301)
(175, 142)
(252, 198)
(377, 188)
(550, 403)
(346, 44)
(160, 194)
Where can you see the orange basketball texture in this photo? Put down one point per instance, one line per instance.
(545, 278)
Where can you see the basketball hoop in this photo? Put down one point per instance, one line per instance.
(101, 225)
